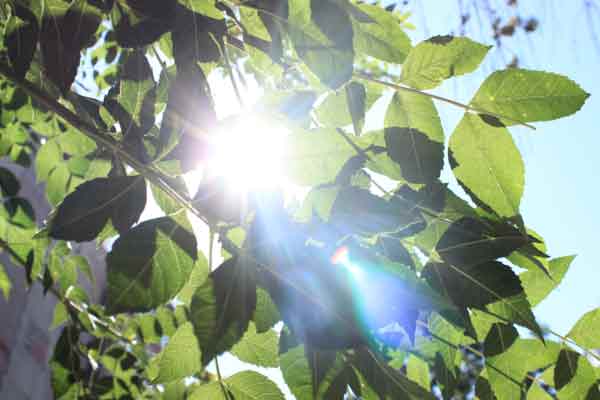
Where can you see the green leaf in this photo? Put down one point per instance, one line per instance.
(347, 106)
(486, 161)
(417, 370)
(538, 284)
(222, 307)
(204, 7)
(5, 283)
(575, 378)
(250, 385)
(166, 202)
(206, 391)
(526, 96)
(165, 252)
(387, 383)
(319, 201)
(85, 212)
(258, 348)
(309, 374)
(197, 277)
(383, 38)
(447, 348)
(507, 371)
(316, 156)
(137, 93)
(439, 58)
(321, 33)
(414, 137)
(181, 357)
(266, 314)
(584, 333)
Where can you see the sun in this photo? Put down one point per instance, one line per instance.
(247, 152)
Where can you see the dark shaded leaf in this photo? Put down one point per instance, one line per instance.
(62, 38)
(196, 38)
(414, 137)
(357, 105)
(470, 241)
(223, 306)
(386, 382)
(84, 213)
(9, 184)
(144, 23)
(21, 37)
(356, 210)
(499, 338)
(189, 114)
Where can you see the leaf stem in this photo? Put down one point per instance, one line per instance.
(466, 107)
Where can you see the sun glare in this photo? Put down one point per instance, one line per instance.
(248, 153)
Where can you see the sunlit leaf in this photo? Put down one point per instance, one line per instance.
(5, 283)
(527, 96)
(507, 371)
(382, 37)
(250, 385)
(180, 357)
(321, 33)
(538, 285)
(439, 58)
(258, 348)
(485, 160)
(309, 163)
(584, 331)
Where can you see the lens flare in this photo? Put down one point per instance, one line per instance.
(380, 299)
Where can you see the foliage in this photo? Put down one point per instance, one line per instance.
(400, 293)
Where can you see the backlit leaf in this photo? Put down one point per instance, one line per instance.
(527, 96)
(382, 37)
(181, 356)
(486, 161)
(165, 252)
(439, 58)
(258, 348)
(250, 385)
(584, 333)
(538, 285)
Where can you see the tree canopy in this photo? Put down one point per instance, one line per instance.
(381, 282)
